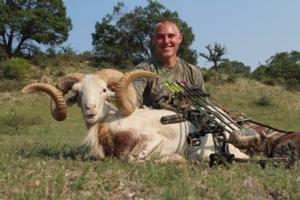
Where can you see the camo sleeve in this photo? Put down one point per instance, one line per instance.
(141, 84)
(198, 78)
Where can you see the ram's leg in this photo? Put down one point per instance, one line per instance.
(97, 140)
(149, 149)
(174, 158)
(237, 152)
(97, 152)
(144, 148)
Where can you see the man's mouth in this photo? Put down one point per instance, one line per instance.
(167, 48)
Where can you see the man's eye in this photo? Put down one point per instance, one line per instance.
(171, 35)
(160, 37)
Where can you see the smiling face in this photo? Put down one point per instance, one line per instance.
(166, 41)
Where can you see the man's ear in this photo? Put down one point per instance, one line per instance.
(180, 37)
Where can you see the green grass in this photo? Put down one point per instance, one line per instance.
(44, 159)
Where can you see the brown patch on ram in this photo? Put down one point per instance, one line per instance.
(124, 142)
(105, 139)
(118, 145)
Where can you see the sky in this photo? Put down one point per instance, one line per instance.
(251, 30)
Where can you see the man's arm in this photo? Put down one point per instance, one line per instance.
(199, 79)
(140, 84)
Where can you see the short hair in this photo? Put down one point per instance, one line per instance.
(170, 21)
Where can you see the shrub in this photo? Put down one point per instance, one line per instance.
(268, 81)
(40, 60)
(15, 68)
(232, 78)
(264, 100)
(3, 55)
(292, 85)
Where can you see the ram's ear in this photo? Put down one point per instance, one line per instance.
(112, 86)
(110, 94)
(76, 87)
(72, 100)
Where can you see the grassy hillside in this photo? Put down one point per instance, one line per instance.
(43, 159)
(273, 105)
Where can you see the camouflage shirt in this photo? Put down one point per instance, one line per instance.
(148, 90)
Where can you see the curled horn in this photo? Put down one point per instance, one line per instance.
(59, 107)
(125, 93)
(110, 76)
(59, 112)
(65, 83)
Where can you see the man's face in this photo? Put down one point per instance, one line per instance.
(166, 40)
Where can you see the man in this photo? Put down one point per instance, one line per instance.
(166, 40)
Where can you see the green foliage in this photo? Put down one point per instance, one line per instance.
(260, 72)
(218, 77)
(15, 68)
(52, 58)
(3, 55)
(215, 54)
(26, 22)
(232, 78)
(234, 67)
(124, 39)
(283, 68)
(268, 81)
(292, 85)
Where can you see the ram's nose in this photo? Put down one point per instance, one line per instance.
(90, 106)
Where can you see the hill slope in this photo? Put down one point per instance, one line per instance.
(273, 105)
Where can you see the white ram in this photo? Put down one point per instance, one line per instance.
(124, 131)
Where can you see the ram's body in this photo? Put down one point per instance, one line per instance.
(142, 132)
(137, 135)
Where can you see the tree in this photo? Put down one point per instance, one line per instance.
(26, 23)
(281, 67)
(234, 67)
(215, 54)
(124, 39)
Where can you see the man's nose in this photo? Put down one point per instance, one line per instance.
(166, 39)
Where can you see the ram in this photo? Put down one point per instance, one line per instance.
(122, 130)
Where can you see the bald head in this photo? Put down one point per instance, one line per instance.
(166, 40)
(167, 23)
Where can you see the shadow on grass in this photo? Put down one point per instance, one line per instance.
(56, 152)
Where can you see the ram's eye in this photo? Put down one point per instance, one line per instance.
(104, 90)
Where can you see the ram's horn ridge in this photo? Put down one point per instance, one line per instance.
(65, 83)
(110, 76)
(59, 111)
(125, 93)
